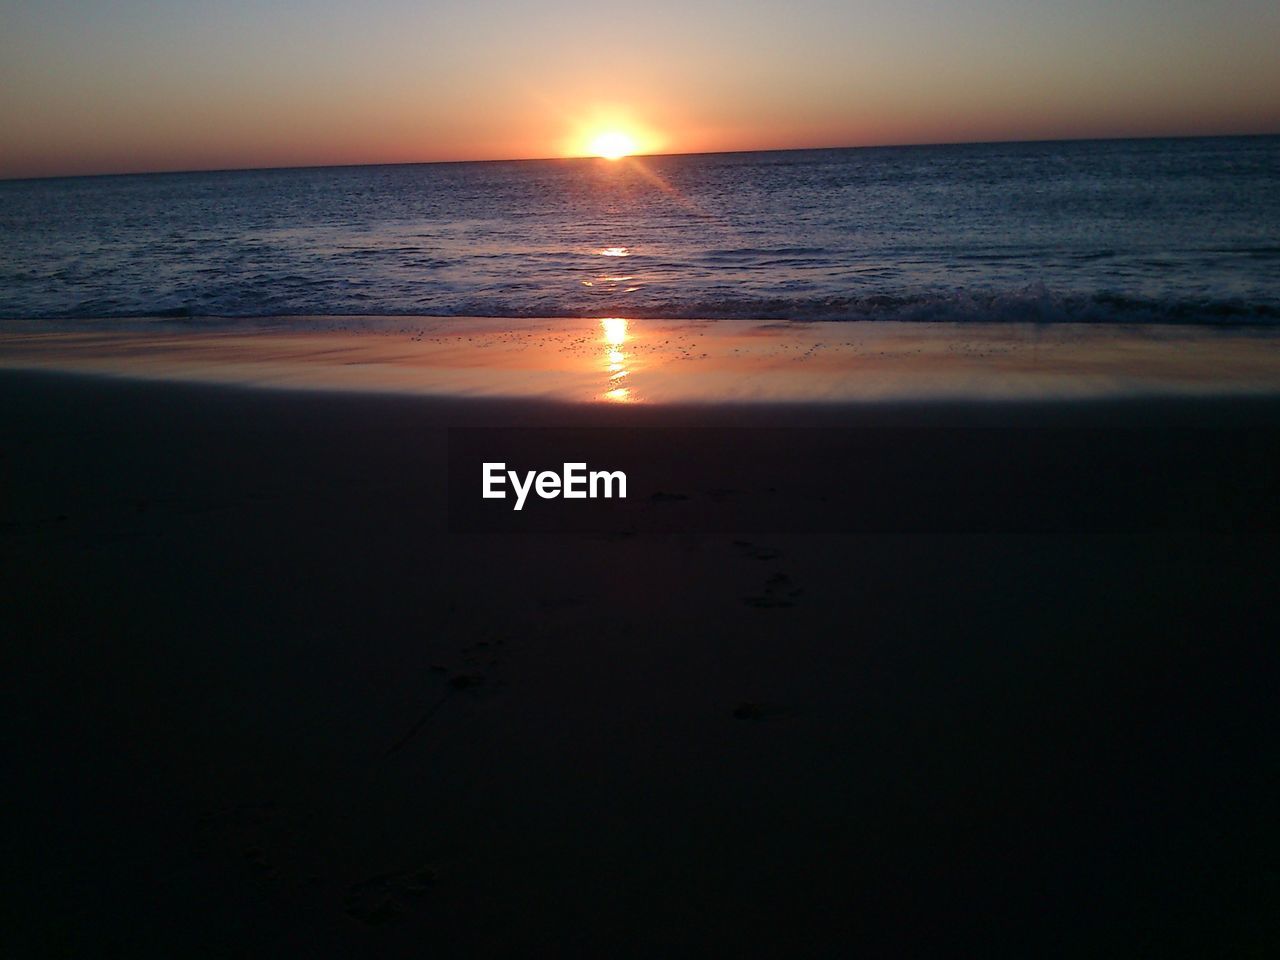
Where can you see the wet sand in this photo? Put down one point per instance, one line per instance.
(261, 698)
(665, 361)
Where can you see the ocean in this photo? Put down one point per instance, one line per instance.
(1130, 231)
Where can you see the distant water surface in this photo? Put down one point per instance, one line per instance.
(1130, 231)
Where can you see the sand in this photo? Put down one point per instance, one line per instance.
(665, 361)
(261, 699)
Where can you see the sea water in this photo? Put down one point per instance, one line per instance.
(1132, 231)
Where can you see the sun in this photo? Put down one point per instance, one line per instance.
(612, 145)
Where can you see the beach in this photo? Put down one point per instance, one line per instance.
(696, 362)
(786, 480)
(268, 686)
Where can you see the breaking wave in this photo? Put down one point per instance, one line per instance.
(1023, 306)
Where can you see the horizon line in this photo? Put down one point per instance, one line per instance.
(691, 153)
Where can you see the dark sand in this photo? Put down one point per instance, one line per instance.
(260, 701)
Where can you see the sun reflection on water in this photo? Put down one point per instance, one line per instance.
(615, 331)
(615, 337)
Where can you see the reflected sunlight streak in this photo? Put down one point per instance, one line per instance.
(615, 334)
(615, 331)
(661, 183)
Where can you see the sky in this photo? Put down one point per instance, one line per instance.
(115, 86)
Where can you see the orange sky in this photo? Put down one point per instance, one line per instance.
(148, 85)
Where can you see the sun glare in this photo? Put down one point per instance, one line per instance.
(613, 145)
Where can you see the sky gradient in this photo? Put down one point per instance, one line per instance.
(140, 85)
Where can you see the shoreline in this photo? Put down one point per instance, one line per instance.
(669, 361)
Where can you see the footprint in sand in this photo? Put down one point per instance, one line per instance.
(259, 864)
(269, 842)
(466, 681)
(470, 684)
(756, 551)
(778, 591)
(388, 897)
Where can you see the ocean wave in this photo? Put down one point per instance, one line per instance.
(1056, 233)
(1034, 305)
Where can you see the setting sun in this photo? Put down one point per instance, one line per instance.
(612, 145)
